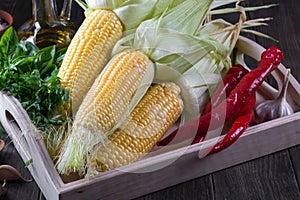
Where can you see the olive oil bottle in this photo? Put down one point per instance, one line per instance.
(46, 27)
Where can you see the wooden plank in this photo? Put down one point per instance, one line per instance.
(295, 159)
(269, 177)
(288, 33)
(200, 188)
(17, 189)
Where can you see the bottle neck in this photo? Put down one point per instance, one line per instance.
(44, 10)
(66, 9)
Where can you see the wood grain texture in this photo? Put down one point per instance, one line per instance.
(269, 177)
(284, 27)
(200, 188)
(17, 189)
(295, 159)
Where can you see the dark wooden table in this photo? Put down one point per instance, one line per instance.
(275, 176)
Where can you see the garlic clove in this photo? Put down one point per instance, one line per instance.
(272, 109)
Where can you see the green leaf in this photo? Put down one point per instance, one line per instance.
(30, 74)
(25, 48)
(59, 56)
(28, 162)
(8, 42)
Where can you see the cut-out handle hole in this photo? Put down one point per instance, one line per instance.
(12, 121)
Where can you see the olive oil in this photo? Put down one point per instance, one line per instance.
(46, 28)
(44, 35)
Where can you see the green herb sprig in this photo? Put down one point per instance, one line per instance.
(30, 74)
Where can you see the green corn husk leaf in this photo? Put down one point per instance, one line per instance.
(195, 73)
(130, 12)
(227, 33)
(188, 17)
(185, 18)
(177, 19)
(175, 49)
(233, 10)
(224, 32)
(260, 34)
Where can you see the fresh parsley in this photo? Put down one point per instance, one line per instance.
(30, 74)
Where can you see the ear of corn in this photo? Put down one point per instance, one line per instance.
(109, 97)
(88, 52)
(155, 113)
(105, 105)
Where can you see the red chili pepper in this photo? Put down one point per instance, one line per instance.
(223, 89)
(239, 96)
(229, 82)
(237, 129)
(200, 125)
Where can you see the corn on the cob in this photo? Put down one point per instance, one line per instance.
(156, 112)
(88, 52)
(110, 95)
(104, 106)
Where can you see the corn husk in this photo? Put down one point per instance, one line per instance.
(193, 61)
(130, 12)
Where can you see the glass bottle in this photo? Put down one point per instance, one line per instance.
(66, 10)
(46, 27)
(65, 15)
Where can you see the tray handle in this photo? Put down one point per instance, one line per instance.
(17, 124)
(250, 48)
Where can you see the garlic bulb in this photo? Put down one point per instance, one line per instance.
(272, 109)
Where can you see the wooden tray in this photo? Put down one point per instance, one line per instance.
(162, 170)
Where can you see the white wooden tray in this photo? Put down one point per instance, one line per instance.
(158, 171)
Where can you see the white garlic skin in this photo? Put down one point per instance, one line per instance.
(272, 109)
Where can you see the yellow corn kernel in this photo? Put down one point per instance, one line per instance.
(105, 104)
(155, 113)
(108, 99)
(87, 53)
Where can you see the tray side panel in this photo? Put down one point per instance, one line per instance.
(258, 141)
(16, 123)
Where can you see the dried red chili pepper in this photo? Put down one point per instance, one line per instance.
(223, 89)
(239, 96)
(238, 127)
